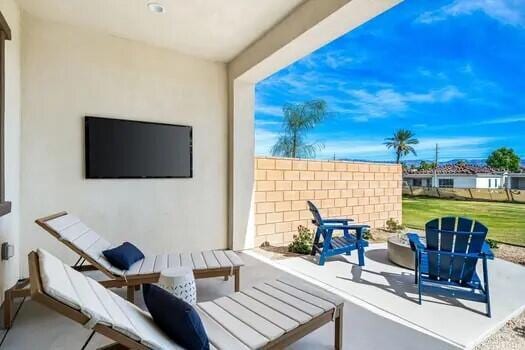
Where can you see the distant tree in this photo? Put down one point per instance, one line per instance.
(504, 159)
(298, 120)
(426, 165)
(401, 143)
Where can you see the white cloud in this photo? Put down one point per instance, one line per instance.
(504, 120)
(520, 118)
(365, 104)
(276, 111)
(262, 123)
(510, 12)
(264, 140)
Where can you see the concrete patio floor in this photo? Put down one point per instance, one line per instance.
(389, 291)
(37, 327)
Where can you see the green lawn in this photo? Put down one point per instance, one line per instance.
(506, 221)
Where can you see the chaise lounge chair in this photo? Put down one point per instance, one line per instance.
(268, 316)
(85, 242)
(69, 230)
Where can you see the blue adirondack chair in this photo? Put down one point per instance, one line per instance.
(331, 246)
(446, 265)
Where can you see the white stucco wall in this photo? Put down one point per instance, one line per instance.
(462, 181)
(483, 182)
(69, 73)
(9, 224)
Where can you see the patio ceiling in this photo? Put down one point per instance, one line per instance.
(214, 30)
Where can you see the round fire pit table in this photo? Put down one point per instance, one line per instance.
(399, 251)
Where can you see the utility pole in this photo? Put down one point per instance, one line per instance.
(435, 166)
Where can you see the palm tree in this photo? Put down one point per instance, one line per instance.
(401, 143)
(298, 119)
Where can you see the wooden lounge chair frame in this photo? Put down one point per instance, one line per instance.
(131, 282)
(122, 341)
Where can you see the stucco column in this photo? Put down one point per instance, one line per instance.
(242, 150)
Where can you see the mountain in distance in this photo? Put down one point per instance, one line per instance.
(477, 162)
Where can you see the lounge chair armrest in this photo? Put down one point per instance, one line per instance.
(486, 251)
(415, 242)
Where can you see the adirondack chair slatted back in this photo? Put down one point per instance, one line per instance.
(458, 235)
(318, 220)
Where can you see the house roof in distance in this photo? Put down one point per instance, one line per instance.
(454, 169)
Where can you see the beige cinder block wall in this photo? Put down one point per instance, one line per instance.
(71, 72)
(369, 193)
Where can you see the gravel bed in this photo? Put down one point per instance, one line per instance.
(510, 337)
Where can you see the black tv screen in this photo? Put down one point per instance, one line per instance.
(116, 148)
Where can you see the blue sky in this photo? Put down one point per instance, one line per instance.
(451, 71)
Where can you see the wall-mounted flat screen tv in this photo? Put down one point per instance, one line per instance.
(116, 148)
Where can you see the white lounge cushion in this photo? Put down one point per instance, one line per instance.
(99, 304)
(55, 280)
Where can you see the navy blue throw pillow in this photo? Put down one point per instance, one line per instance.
(123, 256)
(176, 318)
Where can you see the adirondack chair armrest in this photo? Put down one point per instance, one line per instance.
(486, 251)
(337, 221)
(415, 242)
(345, 227)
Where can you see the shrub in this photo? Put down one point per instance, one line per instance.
(393, 226)
(367, 234)
(492, 243)
(302, 242)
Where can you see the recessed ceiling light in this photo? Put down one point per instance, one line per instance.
(155, 7)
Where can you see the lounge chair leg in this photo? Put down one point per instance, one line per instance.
(226, 278)
(237, 275)
(316, 241)
(131, 293)
(137, 287)
(486, 286)
(8, 309)
(416, 269)
(361, 256)
(321, 259)
(419, 291)
(19, 290)
(338, 341)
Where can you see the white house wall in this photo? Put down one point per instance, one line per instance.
(483, 182)
(70, 72)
